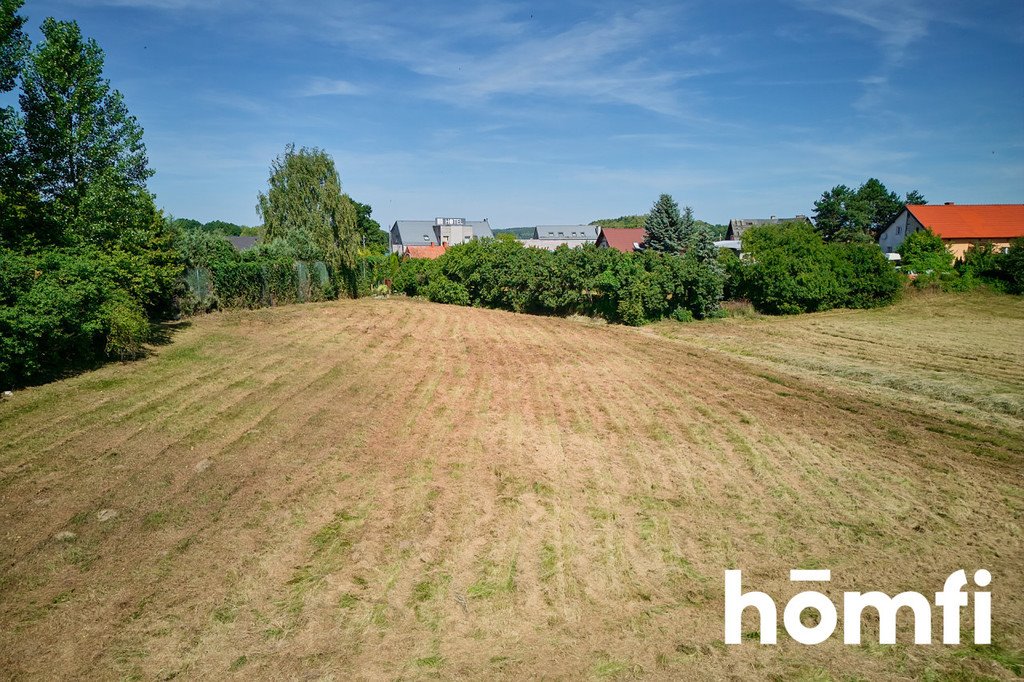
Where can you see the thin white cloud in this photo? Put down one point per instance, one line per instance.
(894, 26)
(329, 86)
(172, 5)
(470, 61)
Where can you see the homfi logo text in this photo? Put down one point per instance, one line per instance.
(951, 600)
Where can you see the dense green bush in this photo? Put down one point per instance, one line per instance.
(443, 290)
(632, 288)
(1011, 267)
(788, 269)
(732, 268)
(65, 308)
(413, 275)
(924, 255)
(865, 276)
(375, 272)
(982, 264)
(127, 328)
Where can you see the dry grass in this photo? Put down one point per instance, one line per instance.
(395, 489)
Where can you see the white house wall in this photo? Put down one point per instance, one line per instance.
(893, 236)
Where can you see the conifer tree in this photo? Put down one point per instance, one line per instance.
(664, 226)
(701, 244)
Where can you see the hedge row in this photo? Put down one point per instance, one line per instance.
(631, 288)
(254, 284)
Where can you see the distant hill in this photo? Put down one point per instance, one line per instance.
(216, 227)
(717, 231)
(517, 232)
(622, 221)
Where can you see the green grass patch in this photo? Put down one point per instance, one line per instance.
(435, 661)
(548, 561)
(1011, 659)
(495, 580)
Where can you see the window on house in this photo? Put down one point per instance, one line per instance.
(899, 230)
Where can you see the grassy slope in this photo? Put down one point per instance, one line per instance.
(400, 489)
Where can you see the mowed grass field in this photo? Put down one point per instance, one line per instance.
(393, 489)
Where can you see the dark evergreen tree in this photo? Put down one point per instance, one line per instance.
(664, 226)
(914, 198)
(701, 243)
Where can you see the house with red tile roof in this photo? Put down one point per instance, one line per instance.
(959, 225)
(430, 251)
(626, 239)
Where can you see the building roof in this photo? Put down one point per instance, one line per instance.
(738, 225)
(624, 238)
(972, 221)
(552, 244)
(563, 232)
(243, 243)
(423, 232)
(428, 252)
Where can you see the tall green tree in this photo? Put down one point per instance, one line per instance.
(843, 214)
(882, 205)
(701, 243)
(840, 215)
(664, 225)
(370, 235)
(304, 202)
(14, 45)
(914, 198)
(83, 148)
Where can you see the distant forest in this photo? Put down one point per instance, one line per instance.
(215, 227)
(517, 232)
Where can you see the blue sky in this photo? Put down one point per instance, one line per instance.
(532, 113)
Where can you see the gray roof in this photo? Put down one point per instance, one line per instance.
(567, 232)
(552, 244)
(424, 232)
(738, 225)
(243, 243)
